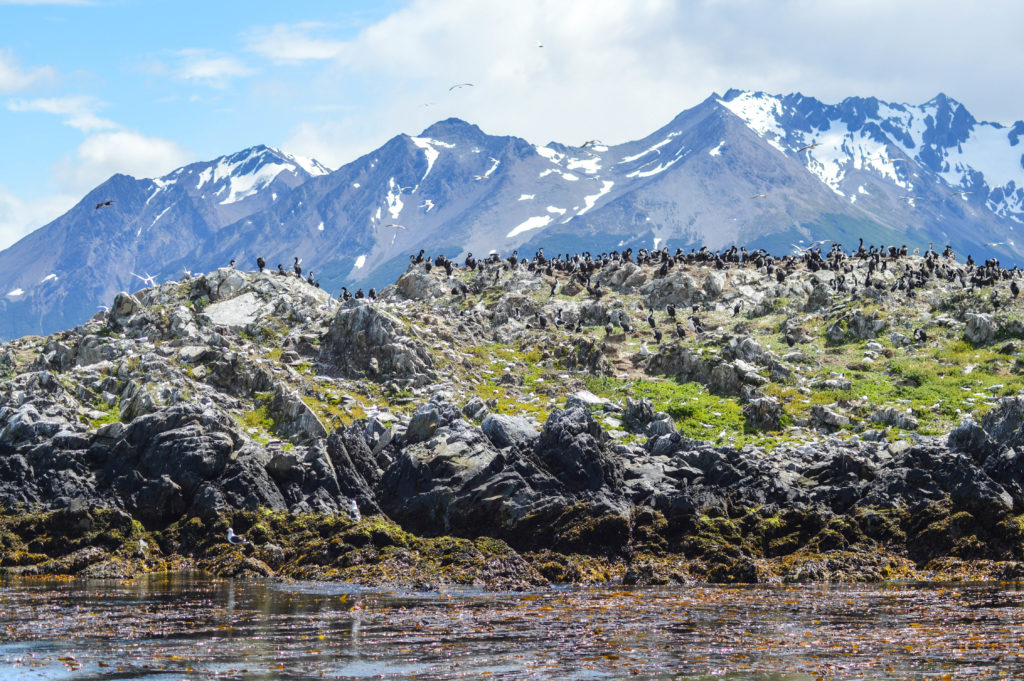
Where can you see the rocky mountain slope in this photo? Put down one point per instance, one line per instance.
(833, 417)
(745, 168)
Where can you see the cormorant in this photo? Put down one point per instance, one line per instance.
(261, 263)
(297, 267)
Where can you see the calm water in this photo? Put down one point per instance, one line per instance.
(190, 627)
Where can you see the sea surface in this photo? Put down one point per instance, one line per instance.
(187, 626)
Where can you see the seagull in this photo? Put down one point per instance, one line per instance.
(353, 510)
(481, 177)
(807, 146)
(909, 199)
(962, 195)
(235, 539)
(540, 44)
(590, 143)
(458, 85)
(104, 203)
(759, 196)
(145, 279)
(396, 226)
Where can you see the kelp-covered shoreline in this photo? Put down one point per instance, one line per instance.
(759, 547)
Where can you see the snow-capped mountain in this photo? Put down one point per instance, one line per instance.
(59, 275)
(747, 167)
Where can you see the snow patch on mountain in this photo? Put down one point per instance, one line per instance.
(394, 200)
(526, 197)
(15, 293)
(587, 165)
(761, 113)
(717, 151)
(589, 201)
(530, 223)
(428, 146)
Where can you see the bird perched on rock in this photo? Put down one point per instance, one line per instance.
(353, 510)
(921, 336)
(236, 539)
(297, 266)
(261, 263)
(790, 338)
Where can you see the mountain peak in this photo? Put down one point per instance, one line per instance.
(453, 128)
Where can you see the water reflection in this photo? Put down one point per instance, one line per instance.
(189, 626)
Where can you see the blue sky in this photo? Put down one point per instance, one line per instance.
(93, 87)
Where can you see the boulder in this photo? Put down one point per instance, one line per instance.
(508, 431)
(363, 339)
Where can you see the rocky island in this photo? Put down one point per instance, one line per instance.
(646, 418)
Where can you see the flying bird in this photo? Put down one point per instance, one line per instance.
(396, 226)
(104, 203)
(590, 143)
(145, 279)
(807, 146)
(458, 85)
(962, 195)
(759, 196)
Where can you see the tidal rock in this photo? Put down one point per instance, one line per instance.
(572, 446)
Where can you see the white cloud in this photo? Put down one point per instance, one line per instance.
(617, 71)
(210, 68)
(18, 218)
(103, 154)
(78, 112)
(294, 43)
(13, 77)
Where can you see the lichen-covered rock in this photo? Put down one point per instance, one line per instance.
(980, 328)
(365, 340)
(508, 431)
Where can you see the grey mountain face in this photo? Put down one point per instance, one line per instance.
(763, 170)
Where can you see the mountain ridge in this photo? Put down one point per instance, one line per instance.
(743, 167)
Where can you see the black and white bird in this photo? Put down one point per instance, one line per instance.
(261, 263)
(236, 539)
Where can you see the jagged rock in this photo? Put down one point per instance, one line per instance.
(820, 297)
(663, 424)
(836, 331)
(221, 284)
(125, 305)
(677, 288)
(428, 418)
(418, 284)
(763, 413)
(294, 419)
(638, 415)
(894, 417)
(571, 445)
(980, 328)
(507, 431)
(475, 409)
(361, 332)
(969, 437)
(828, 418)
